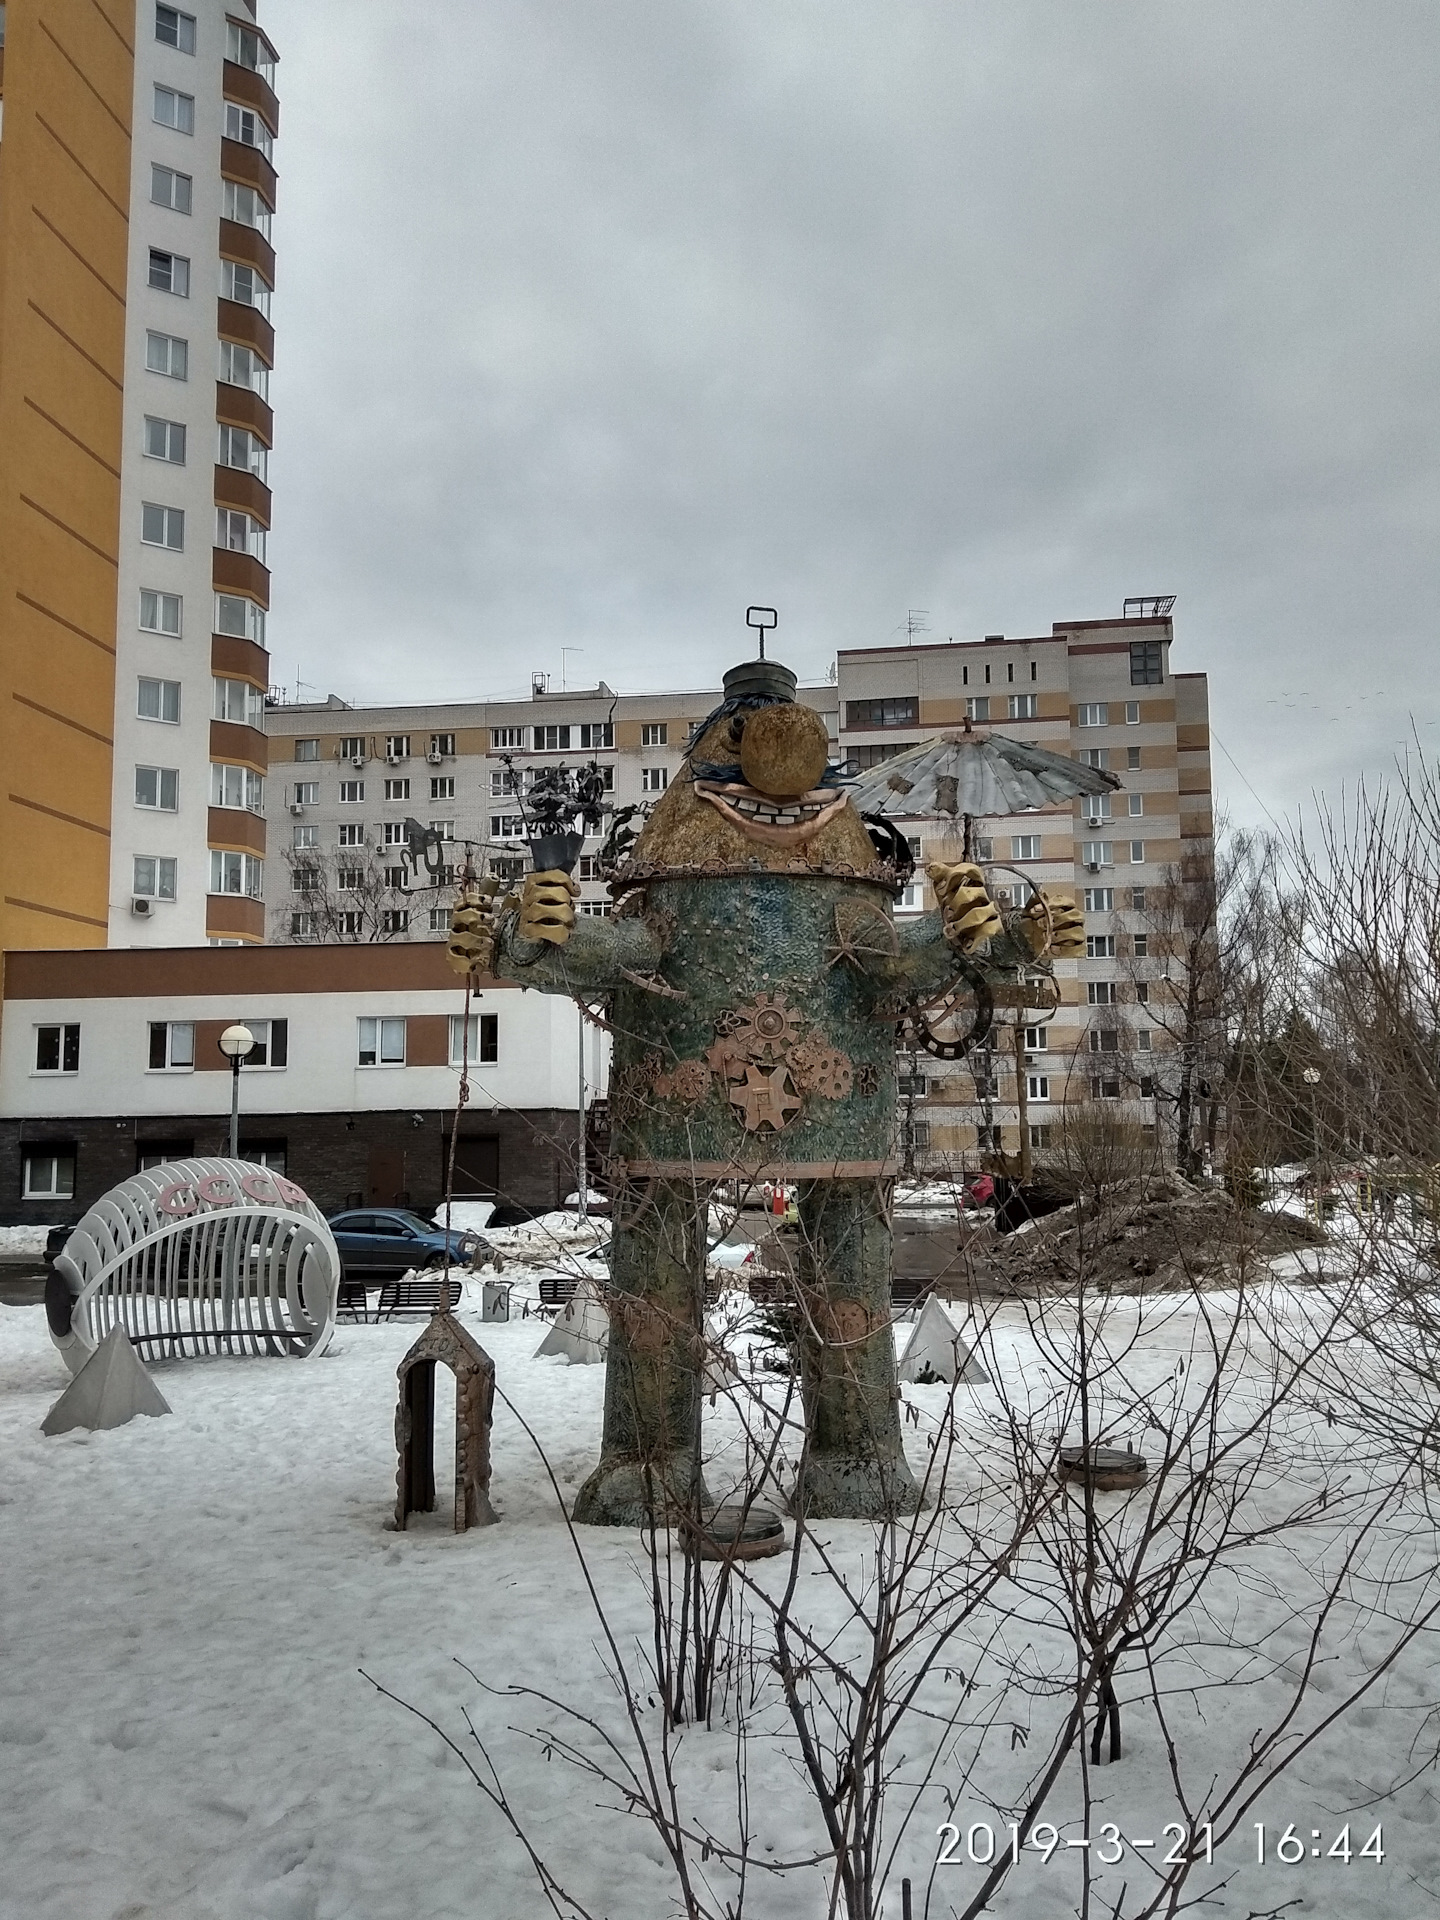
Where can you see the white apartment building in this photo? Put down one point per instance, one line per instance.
(345, 780)
(187, 818)
(1102, 691)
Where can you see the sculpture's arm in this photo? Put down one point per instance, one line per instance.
(593, 959)
(968, 927)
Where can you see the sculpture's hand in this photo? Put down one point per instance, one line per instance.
(1052, 924)
(473, 930)
(968, 913)
(547, 907)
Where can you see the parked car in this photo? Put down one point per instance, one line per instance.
(389, 1240)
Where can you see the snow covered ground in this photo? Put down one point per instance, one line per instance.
(186, 1606)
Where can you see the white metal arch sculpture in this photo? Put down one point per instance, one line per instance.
(198, 1256)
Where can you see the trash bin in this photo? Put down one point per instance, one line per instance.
(495, 1299)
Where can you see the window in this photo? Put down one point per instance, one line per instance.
(1137, 803)
(439, 919)
(243, 450)
(154, 877)
(1142, 1041)
(243, 367)
(1146, 669)
(175, 29)
(1137, 899)
(1104, 1040)
(1142, 946)
(1099, 899)
(482, 1042)
(551, 739)
(396, 834)
(239, 703)
(1096, 714)
(443, 743)
(352, 746)
(158, 787)
(57, 1049)
(1024, 706)
(1132, 758)
(350, 879)
(352, 834)
(246, 287)
(1104, 1089)
(985, 849)
(1142, 993)
(989, 1139)
(170, 189)
(166, 354)
(352, 793)
(1037, 1039)
(655, 733)
(397, 746)
(445, 828)
(306, 793)
(395, 877)
(882, 713)
(506, 737)
(165, 440)
(158, 700)
(171, 109)
(239, 787)
(172, 1045)
(395, 920)
(247, 207)
(875, 755)
(654, 779)
(382, 1043)
(1137, 853)
(1040, 1137)
(987, 1086)
(1097, 853)
(1025, 846)
(397, 790)
(987, 675)
(49, 1176)
(442, 787)
(1097, 757)
(271, 1049)
(1099, 946)
(247, 48)
(917, 1134)
(596, 909)
(1147, 1091)
(595, 734)
(240, 873)
(351, 925)
(162, 526)
(911, 1086)
(1038, 1086)
(305, 879)
(977, 707)
(589, 867)
(248, 127)
(1100, 993)
(302, 926)
(170, 273)
(302, 838)
(1096, 808)
(307, 749)
(507, 826)
(1132, 713)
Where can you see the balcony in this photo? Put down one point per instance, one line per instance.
(240, 573)
(238, 659)
(249, 167)
(246, 87)
(233, 321)
(236, 488)
(246, 244)
(235, 831)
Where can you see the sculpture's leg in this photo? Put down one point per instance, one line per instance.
(649, 1459)
(855, 1467)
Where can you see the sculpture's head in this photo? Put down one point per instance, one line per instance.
(757, 787)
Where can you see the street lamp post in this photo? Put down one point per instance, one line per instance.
(1311, 1077)
(236, 1043)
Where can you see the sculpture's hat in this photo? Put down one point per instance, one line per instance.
(760, 680)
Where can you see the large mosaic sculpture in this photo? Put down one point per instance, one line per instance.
(753, 977)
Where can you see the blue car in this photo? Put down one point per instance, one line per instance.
(390, 1240)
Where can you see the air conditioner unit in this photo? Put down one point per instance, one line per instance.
(392, 759)
(435, 757)
(1092, 866)
(297, 806)
(140, 907)
(357, 760)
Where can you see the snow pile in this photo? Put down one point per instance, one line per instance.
(22, 1242)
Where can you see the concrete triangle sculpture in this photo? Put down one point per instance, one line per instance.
(582, 1333)
(937, 1352)
(111, 1388)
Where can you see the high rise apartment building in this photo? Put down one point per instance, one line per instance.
(344, 781)
(1101, 691)
(136, 192)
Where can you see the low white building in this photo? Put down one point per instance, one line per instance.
(109, 1061)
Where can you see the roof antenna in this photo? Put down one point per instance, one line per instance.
(762, 619)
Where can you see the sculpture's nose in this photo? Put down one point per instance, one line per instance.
(784, 750)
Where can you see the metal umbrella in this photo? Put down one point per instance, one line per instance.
(974, 775)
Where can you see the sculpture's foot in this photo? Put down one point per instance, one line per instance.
(852, 1486)
(627, 1493)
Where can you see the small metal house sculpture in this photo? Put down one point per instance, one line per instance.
(445, 1340)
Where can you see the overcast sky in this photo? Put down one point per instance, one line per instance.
(600, 319)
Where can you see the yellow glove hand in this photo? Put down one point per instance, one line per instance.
(547, 910)
(471, 947)
(1052, 924)
(966, 909)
